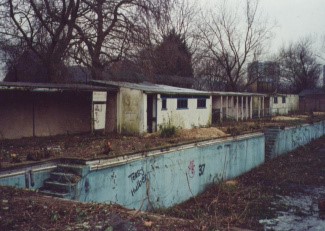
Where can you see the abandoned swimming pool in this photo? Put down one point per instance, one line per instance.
(163, 177)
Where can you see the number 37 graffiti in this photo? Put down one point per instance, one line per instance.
(191, 169)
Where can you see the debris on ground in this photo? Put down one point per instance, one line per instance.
(281, 118)
(88, 147)
(241, 202)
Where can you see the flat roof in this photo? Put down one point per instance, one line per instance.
(52, 87)
(229, 93)
(152, 88)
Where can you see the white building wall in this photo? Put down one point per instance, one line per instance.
(280, 108)
(184, 118)
(143, 125)
(293, 103)
(131, 111)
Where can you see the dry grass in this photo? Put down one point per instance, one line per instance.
(201, 133)
(288, 118)
(87, 147)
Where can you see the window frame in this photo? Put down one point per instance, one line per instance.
(283, 99)
(275, 100)
(203, 101)
(163, 104)
(180, 102)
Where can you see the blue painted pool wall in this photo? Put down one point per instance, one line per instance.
(164, 180)
(292, 138)
(171, 177)
(18, 180)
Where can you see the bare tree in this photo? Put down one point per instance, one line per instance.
(180, 17)
(109, 28)
(43, 27)
(209, 75)
(299, 67)
(232, 38)
(170, 42)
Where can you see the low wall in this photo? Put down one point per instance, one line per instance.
(161, 179)
(31, 177)
(288, 139)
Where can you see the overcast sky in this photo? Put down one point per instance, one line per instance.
(296, 19)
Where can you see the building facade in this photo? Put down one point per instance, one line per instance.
(146, 107)
(264, 76)
(36, 109)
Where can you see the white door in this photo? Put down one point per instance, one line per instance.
(99, 110)
(99, 116)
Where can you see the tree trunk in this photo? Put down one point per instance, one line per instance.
(97, 70)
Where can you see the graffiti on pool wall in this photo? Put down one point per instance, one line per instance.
(191, 169)
(139, 178)
(201, 169)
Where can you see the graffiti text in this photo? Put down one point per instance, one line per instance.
(139, 177)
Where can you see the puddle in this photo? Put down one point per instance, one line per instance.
(299, 212)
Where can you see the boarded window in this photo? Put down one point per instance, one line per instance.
(164, 104)
(283, 99)
(201, 103)
(182, 104)
(275, 100)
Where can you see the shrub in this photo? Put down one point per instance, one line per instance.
(167, 130)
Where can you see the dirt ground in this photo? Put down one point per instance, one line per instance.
(87, 147)
(237, 203)
(27, 210)
(246, 200)
(241, 202)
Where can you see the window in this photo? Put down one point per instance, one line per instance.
(275, 99)
(164, 104)
(201, 103)
(181, 103)
(283, 99)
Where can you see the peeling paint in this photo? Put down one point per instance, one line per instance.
(291, 138)
(131, 111)
(163, 180)
(184, 118)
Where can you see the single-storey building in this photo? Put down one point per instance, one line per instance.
(283, 104)
(237, 105)
(247, 105)
(146, 107)
(39, 109)
(312, 100)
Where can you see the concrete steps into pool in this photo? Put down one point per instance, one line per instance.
(270, 141)
(63, 181)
